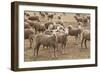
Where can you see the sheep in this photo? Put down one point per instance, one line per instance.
(76, 32)
(61, 38)
(60, 22)
(47, 24)
(78, 18)
(29, 34)
(45, 40)
(50, 16)
(25, 18)
(85, 19)
(34, 18)
(26, 25)
(38, 26)
(85, 38)
(42, 14)
(26, 14)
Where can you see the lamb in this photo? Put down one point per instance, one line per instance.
(85, 38)
(45, 40)
(29, 34)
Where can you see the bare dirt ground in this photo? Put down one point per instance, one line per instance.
(73, 48)
(72, 51)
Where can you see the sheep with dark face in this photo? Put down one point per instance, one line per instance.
(85, 38)
(45, 40)
(29, 34)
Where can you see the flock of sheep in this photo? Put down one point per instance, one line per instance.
(41, 30)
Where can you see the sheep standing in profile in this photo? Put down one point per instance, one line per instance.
(29, 34)
(76, 32)
(85, 38)
(34, 18)
(45, 40)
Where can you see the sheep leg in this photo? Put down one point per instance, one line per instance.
(64, 46)
(36, 49)
(62, 49)
(54, 52)
(76, 38)
(82, 42)
(49, 51)
(38, 46)
(79, 36)
(85, 44)
(31, 41)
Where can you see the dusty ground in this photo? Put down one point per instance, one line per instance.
(72, 51)
(73, 48)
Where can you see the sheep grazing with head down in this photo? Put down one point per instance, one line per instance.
(45, 40)
(34, 18)
(29, 34)
(38, 26)
(85, 38)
